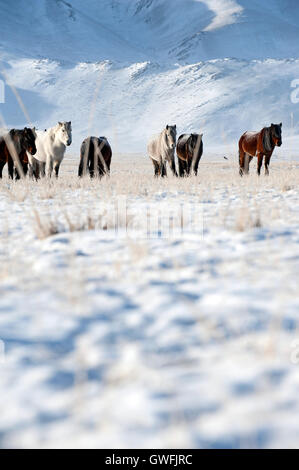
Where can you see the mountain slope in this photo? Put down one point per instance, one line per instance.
(125, 69)
(182, 30)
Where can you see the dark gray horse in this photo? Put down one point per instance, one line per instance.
(189, 150)
(95, 157)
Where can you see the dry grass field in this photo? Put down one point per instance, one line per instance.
(126, 324)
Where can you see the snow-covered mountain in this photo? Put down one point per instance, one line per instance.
(125, 68)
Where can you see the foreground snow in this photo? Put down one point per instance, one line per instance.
(173, 341)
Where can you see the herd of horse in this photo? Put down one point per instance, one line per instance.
(39, 153)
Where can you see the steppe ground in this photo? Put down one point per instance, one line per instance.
(140, 335)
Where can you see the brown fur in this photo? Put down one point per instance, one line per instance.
(5, 157)
(256, 144)
(20, 142)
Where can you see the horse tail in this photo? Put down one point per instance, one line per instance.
(241, 168)
(246, 163)
(84, 157)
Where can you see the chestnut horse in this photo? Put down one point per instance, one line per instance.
(189, 150)
(95, 157)
(259, 144)
(13, 148)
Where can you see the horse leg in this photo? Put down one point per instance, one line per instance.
(17, 175)
(41, 169)
(267, 162)
(56, 168)
(101, 170)
(195, 166)
(181, 167)
(81, 166)
(156, 167)
(172, 167)
(241, 161)
(188, 167)
(91, 165)
(31, 165)
(37, 172)
(260, 157)
(49, 166)
(10, 167)
(249, 160)
(163, 169)
(30, 171)
(1, 168)
(25, 168)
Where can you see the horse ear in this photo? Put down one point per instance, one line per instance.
(280, 124)
(174, 126)
(60, 123)
(167, 127)
(70, 123)
(272, 125)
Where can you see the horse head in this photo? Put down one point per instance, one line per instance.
(64, 133)
(275, 130)
(170, 132)
(29, 136)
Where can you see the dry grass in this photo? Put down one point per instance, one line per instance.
(137, 180)
(246, 220)
(69, 204)
(47, 226)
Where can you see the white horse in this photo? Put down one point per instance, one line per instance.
(51, 145)
(161, 149)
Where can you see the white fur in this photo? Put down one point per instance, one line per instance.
(162, 147)
(51, 146)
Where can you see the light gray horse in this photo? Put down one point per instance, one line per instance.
(51, 145)
(161, 149)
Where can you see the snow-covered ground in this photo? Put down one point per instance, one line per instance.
(180, 327)
(181, 339)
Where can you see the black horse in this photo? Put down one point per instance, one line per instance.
(13, 151)
(189, 151)
(95, 157)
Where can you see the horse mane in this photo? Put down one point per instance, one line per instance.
(267, 141)
(52, 131)
(163, 142)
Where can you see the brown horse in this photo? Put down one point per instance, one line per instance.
(189, 150)
(259, 144)
(95, 157)
(13, 150)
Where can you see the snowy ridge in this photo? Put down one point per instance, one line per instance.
(220, 98)
(125, 69)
